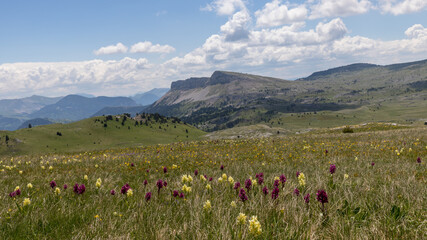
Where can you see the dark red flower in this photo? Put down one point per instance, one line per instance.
(265, 190)
(282, 179)
(113, 192)
(196, 172)
(242, 195)
(132, 165)
(76, 188)
(181, 195)
(248, 184)
(276, 183)
(236, 185)
(148, 196)
(175, 193)
(82, 189)
(18, 192)
(145, 182)
(52, 184)
(372, 164)
(65, 186)
(322, 197)
(296, 191)
(159, 184)
(298, 173)
(125, 188)
(418, 160)
(165, 170)
(222, 167)
(332, 168)
(275, 193)
(307, 198)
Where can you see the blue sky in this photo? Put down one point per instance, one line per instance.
(113, 48)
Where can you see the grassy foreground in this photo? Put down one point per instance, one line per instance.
(376, 192)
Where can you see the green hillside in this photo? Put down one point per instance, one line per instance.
(97, 133)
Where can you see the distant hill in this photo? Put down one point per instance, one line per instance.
(120, 110)
(28, 105)
(150, 97)
(228, 99)
(10, 124)
(35, 122)
(75, 107)
(98, 133)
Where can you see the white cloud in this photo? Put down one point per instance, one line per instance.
(225, 7)
(402, 7)
(148, 47)
(335, 8)
(112, 49)
(275, 14)
(416, 31)
(237, 27)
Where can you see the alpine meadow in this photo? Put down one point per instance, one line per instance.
(213, 119)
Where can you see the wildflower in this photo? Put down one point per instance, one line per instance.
(82, 189)
(196, 173)
(242, 195)
(275, 193)
(248, 184)
(52, 184)
(210, 179)
(18, 192)
(282, 179)
(276, 178)
(165, 184)
(372, 164)
(236, 185)
(174, 166)
(125, 189)
(76, 188)
(159, 184)
(145, 182)
(190, 179)
(207, 206)
(322, 197)
(224, 177)
(276, 183)
(12, 194)
(85, 178)
(265, 190)
(148, 196)
(296, 191)
(301, 179)
(175, 193)
(50, 168)
(65, 186)
(233, 204)
(255, 226)
(332, 168)
(29, 185)
(181, 195)
(231, 180)
(260, 180)
(345, 176)
(129, 193)
(241, 219)
(57, 191)
(132, 165)
(20, 172)
(208, 187)
(298, 173)
(307, 198)
(165, 170)
(113, 192)
(326, 152)
(186, 189)
(26, 202)
(222, 167)
(203, 178)
(96, 166)
(98, 183)
(419, 159)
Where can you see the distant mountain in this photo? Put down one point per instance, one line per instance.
(75, 107)
(150, 97)
(22, 106)
(227, 99)
(35, 122)
(10, 124)
(120, 110)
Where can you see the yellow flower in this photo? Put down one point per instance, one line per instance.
(26, 202)
(174, 166)
(85, 177)
(241, 218)
(301, 179)
(231, 180)
(255, 226)
(207, 206)
(57, 191)
(16, 188)
(186, 189)
(224, 177)
(50, 168)
(208, 187)
(43, 167)
(345, 176)
(202, 178)
(29, 185)
(129, 193)
(20, 172)
(233, 204)
(96, 165)
(276, 178)
(190, 179)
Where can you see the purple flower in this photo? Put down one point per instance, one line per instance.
(181, 195)
(148, 196)
(265, 190)
(222, 167)
(322, 197)
(242, 195)
(326, 151)
(260, 180)
(12, 194)
(165, 183)
(275, 193)
(52, 184)
(196, 172)
(307, 198)
(296, 191)
(132, 165)
(372, 164)
(236, 185)
(276, 183)
(82, 189)
(18, 192)
(76, 188)
(282, 179)
(65, 186)
(113, 192)
(159, 184)
(145, 182)
(175, 193)
(125, 188)
(418, 160)
(165, 170)
(332, 168)
(248, 184)
(210, 179)
(298, 173)
(148, 170)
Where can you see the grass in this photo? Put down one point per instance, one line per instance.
(90, 134)
(384, 201)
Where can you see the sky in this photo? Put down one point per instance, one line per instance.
(120, 48)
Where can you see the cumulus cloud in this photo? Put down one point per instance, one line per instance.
(402, 7)
(275, 14)
(237, 27)
(334, 8)
(112, 49)
(148, 47)
(416, 31)
(225, 7)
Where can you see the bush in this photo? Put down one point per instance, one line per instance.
(347, 129)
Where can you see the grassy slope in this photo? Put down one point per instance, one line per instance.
(89, 135)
